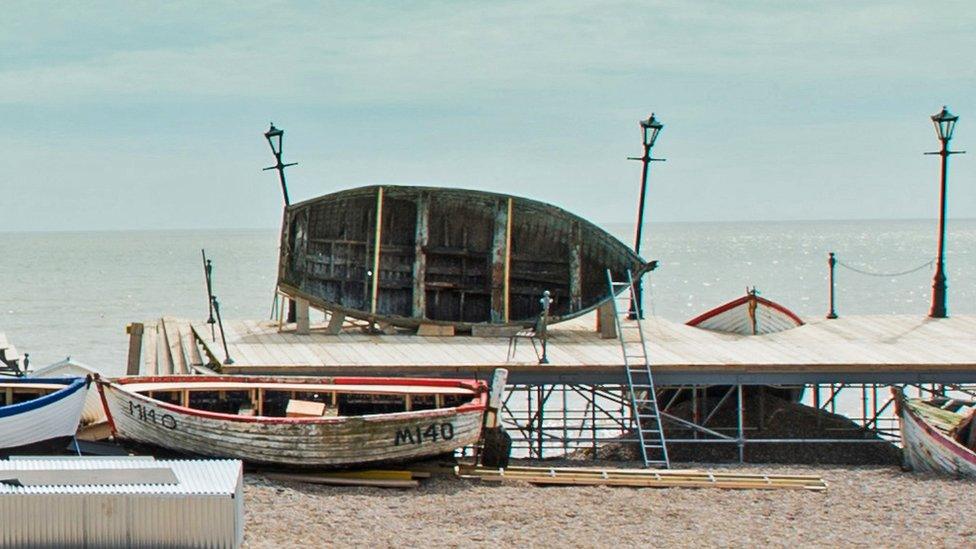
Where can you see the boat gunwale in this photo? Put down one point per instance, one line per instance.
(942, 438)
(71, 386)
(741, 301)
(477, 403)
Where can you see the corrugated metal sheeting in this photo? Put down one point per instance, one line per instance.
(204, 508)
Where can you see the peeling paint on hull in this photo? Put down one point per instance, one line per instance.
(928, 449)
(446, 256)
(307, 442)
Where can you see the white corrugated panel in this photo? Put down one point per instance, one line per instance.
(204, 509)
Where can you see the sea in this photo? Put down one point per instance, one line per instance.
(73, 293)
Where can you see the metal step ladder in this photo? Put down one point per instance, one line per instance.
(643, 399)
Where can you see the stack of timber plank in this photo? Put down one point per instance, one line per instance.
(670, 478)
(377, 478)
(164, 347)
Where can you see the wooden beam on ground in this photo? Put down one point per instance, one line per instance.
(134, 361)
(649, 478)
(338, 481)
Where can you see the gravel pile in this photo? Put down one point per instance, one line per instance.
(862, 506)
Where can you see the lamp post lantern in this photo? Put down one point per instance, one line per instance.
(945, 125)
(650, 129)
(275, 138)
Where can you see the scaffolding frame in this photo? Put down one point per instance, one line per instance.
(558, 419)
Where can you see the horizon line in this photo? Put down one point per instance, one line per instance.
(598, 223)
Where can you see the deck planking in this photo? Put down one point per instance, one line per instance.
(894, 345)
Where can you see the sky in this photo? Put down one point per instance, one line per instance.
(150, 115)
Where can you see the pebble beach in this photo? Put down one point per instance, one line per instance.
(863, 506)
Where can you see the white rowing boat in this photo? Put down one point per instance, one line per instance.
(747, 315)
(311, 422)
(936, 439)
(38, 414)
(93, 412)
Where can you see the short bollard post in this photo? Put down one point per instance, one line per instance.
(831, 261)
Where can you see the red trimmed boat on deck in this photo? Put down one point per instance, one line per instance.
(293, 421)
(748, 315)
(938, 435)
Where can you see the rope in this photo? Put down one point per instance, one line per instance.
(928, 263)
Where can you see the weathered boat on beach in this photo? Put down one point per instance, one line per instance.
(39, 414)
(93, 411)
(304, 422)
(446, 256)
(747, 315)
(935, 436)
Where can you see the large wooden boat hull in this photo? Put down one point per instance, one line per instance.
(304, 442)
(927, 448)
(747, 315)
(446, 256)
(52, 417)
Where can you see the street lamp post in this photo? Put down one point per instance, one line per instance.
(275, 138)
(650, 129)
(945, 124)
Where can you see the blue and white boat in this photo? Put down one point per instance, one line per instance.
(40, 414)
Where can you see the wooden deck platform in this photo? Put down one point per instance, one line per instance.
(856, 349)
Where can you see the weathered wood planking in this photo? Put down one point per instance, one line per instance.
(408, 256)
(307, 442)
(899, 343)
